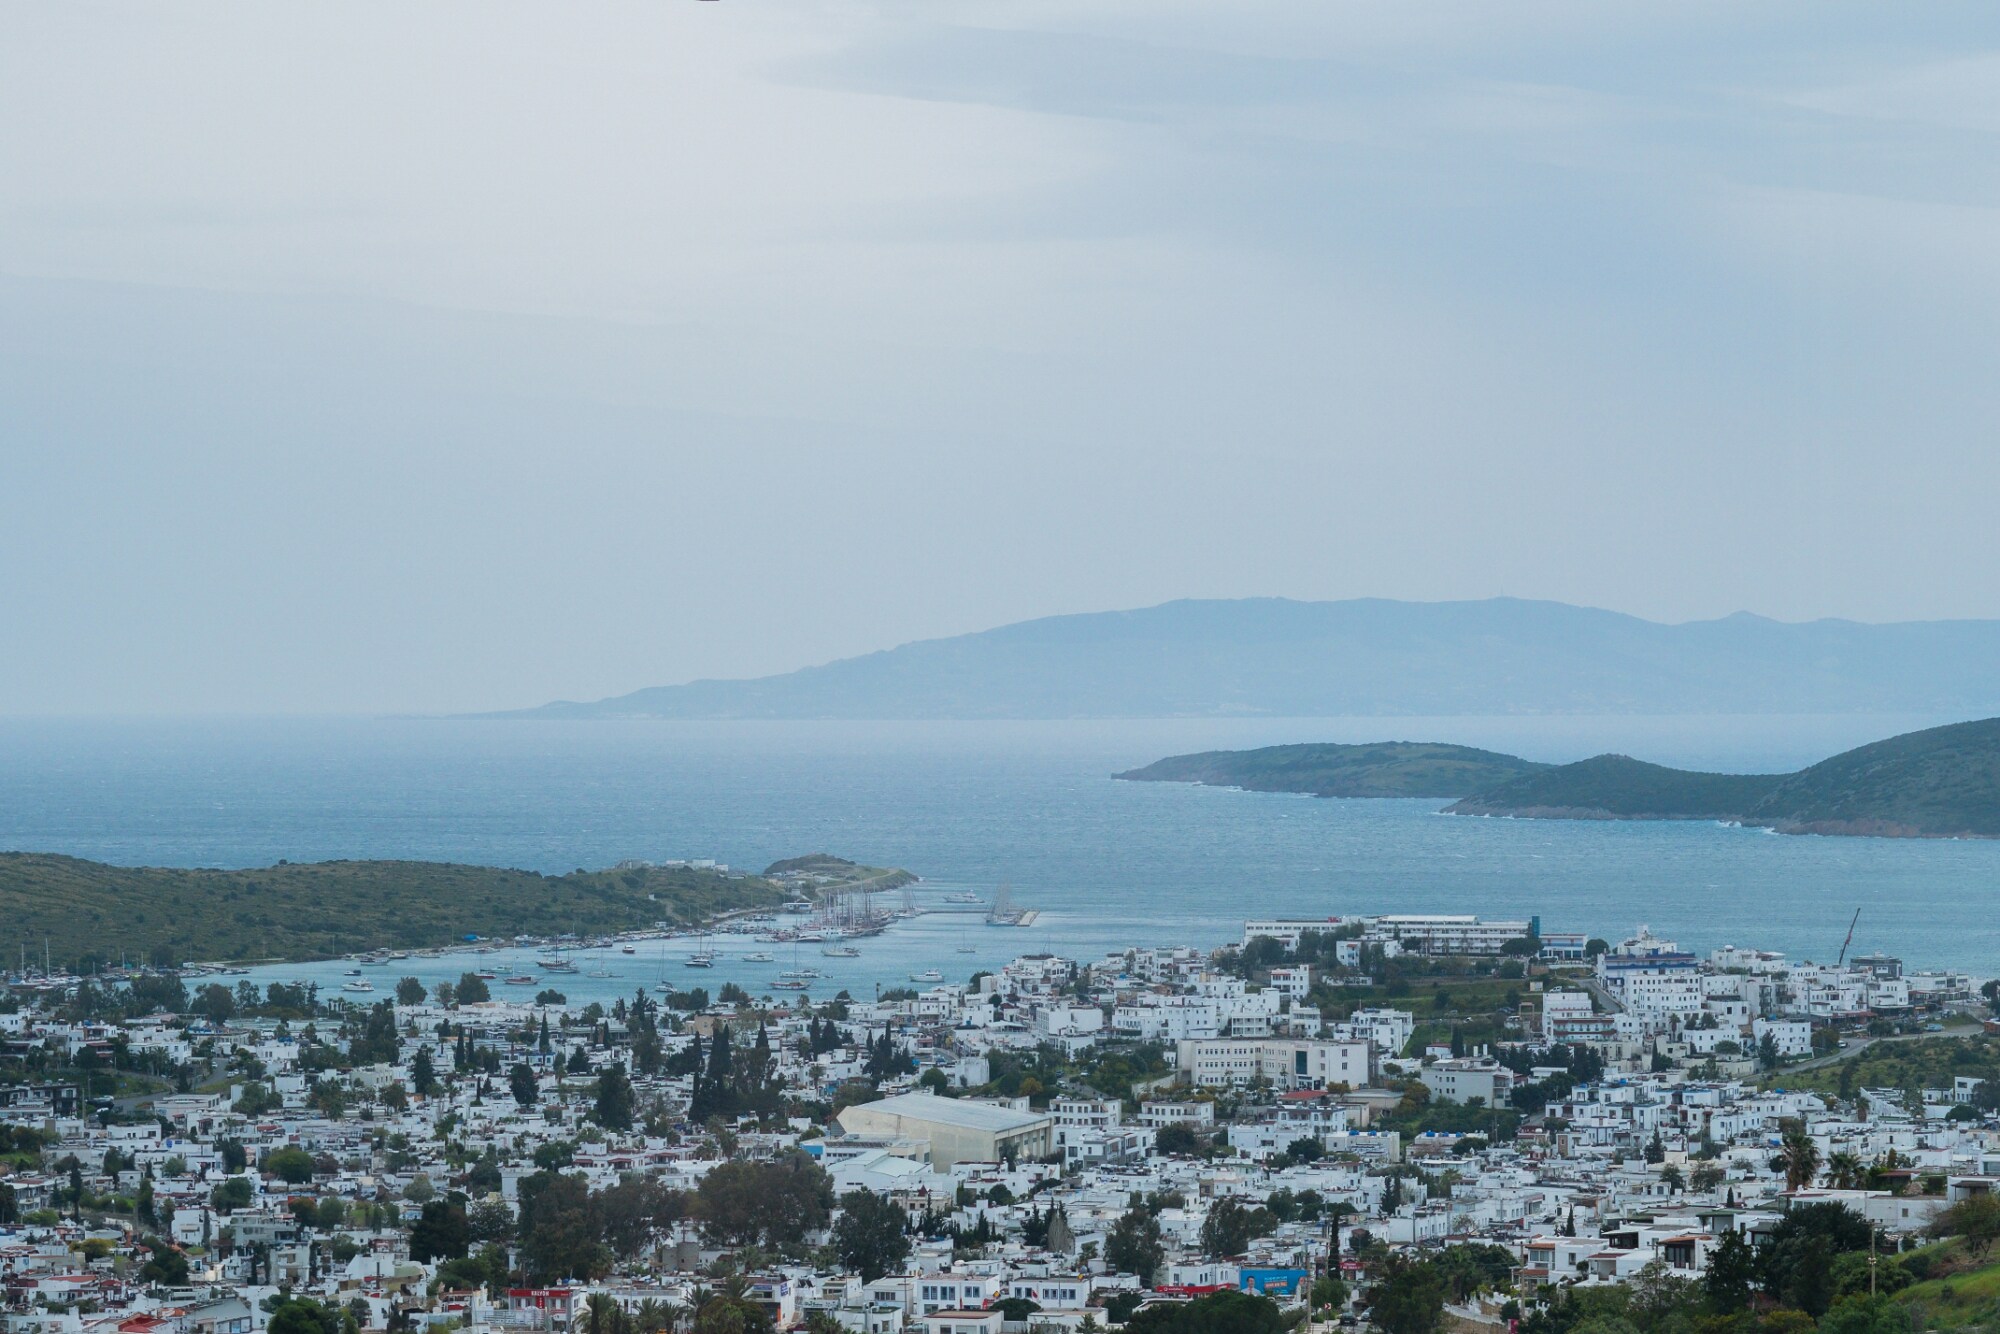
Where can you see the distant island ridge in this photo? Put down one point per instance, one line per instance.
(1942, 782)
(1273, 657)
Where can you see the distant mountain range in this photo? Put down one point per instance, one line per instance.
(1943, 782)
(1279, 658)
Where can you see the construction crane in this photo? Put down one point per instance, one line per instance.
(1849, 941)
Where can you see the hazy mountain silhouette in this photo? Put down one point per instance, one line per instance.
(1276, 657)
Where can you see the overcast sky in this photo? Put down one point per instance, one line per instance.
(372, 357)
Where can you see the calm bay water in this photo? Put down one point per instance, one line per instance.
(977, 805)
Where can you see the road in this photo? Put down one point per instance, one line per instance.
(1855, 1049)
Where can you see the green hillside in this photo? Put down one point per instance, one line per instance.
(1943, 782)
(1381, 769)
(313, 910)
(1618, 787)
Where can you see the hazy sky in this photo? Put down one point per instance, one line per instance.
(441, 356)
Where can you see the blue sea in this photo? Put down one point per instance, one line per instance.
(978, 805)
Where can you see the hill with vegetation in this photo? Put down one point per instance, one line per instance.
(1618, 787)
(1943, 782)
(1275, 657)
(90, 910)
(1381, 769)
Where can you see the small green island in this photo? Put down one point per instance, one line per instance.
(1327, 769)
(89, 911)
(1942, 782)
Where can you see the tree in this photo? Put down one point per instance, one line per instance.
(654, 1316)
(731, 1313)
(1218, 1313)
(1809, 1285)
(630, 1212)
(870, 1236)
(1798, 1158)
(215, 1001)
(1227, 1230)
(1176, 1139)
(233, 1193)
(1867, 1315)
(1975, 1218)
(292, 1166)
(442, 1232)
(472, 989)
(1408, 1297)
(1732, 1269)
(1134, 1246)
(423, 1073)
(168, 1267)
(775, 1204)
(521, 1082)
(1329, 1293)
(614, 1098)
(303, 1315)
(559, 1237)
(601, 1314)
(409, 991)
(491, 1221)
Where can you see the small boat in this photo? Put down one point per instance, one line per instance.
(698, 961)
(928, 975)
(359, 986)
(841, 952)
(793, 985)
(963, 897)
(759, 956)
(968, 949)
(522, 981)
(353, 972)
(486, 977)
(600, 972)
(628, 949)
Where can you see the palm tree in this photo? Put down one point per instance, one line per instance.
(655, 1317)
(602, 1316)
(1846, 1171)
(1799, 1156)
